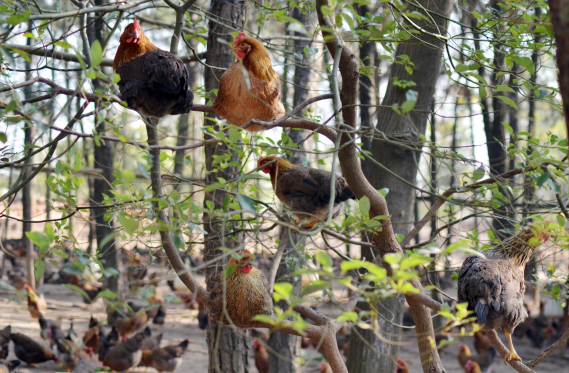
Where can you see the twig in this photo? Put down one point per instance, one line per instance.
(503, 350)
(562, 205)
(551, 349)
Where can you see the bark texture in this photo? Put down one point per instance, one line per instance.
(560, 20)
(229, 350)
(426, 56)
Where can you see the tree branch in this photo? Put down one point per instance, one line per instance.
(503, 350)
(551, 349)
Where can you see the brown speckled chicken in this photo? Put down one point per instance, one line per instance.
(247, 294)
(305, 190)
(238, 100)
(166, 359)
(153, 82)
(36, 305)
(493, 285)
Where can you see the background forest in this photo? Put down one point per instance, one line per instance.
(445, 118)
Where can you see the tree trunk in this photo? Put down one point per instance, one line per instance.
(103, 157)
(228, 349)
(367, 56)
(401, 161)
(27, 189)
(558, 14)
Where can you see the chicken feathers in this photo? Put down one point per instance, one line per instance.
(305, 190)
(257, 95)
(153, 82)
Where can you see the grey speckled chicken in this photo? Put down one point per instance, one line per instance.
(493, 285)
(305, 190)
(153, 82)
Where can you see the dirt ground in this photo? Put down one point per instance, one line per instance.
(182, 324)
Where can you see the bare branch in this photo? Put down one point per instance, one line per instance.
(551, 349)
(116, 7)
(503, 350)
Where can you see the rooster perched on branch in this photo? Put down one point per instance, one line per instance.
(153, 82)
(250, 88)
(305, 190)
(246, 293)
(493, 285)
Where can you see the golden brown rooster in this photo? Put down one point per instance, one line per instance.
(240, 100)
(36, 305)
(305, 190)
(494, 286)
(153, 82)
(247, 293)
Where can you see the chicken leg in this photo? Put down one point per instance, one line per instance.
(512, 355)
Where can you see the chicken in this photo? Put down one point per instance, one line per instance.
(481, 342)
(261, 357)
(402, 366)
(29, 351)
(36, 305)
(128, 325)
(189, 299)
(6, 366)
(153, 82)
(92, 339)
(17, 279)
(203, 318)
(493, 285)
(45, 327)
(150, 342)
(472, 367)
(325, 367)
(125, 355)
(151, 310)
(305, 190)
(239, 100)
(484, 359)
(67, 352)
(5, 341)
(83, 366)
(160, 317)
(107, 342)
(247, 293)
(166, 359)
(539, 335)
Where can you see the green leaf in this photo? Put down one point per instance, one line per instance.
(315, 286)
(77, 289)
(326, 10)
(461, 68)
(39, 268)
(348, 266)
(128, 176)
(49, 232)
(364, 205)
(63, 44)
(38, 239)
(324, 259)
(384, 192)
(22, 54)
(96, 54)
(129, 225)
(508, 128)
(482, 91)
(246, 203)
(3, 137)
(543, 178)
(106, 294)
(503, 88)
(213, 186)
(508, 101)
(478, 173)
(18, 18)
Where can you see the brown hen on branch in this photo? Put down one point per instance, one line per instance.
(255, 94)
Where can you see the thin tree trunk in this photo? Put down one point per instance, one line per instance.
(558, 15)
(27, 189)
(229, 350)
(367, 56)
(284, 348)
(183, 126)
(103, 158)
(403, 162)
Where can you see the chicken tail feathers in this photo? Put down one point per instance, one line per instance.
(344, 196)
(481, 312)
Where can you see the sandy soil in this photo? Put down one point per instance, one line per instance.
(182, 324)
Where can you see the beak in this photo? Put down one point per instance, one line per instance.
(232, 50)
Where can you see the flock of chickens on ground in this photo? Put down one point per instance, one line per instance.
(154, 83)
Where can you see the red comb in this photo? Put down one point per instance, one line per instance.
(239, 37)
(135, 24)
(247, 251)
